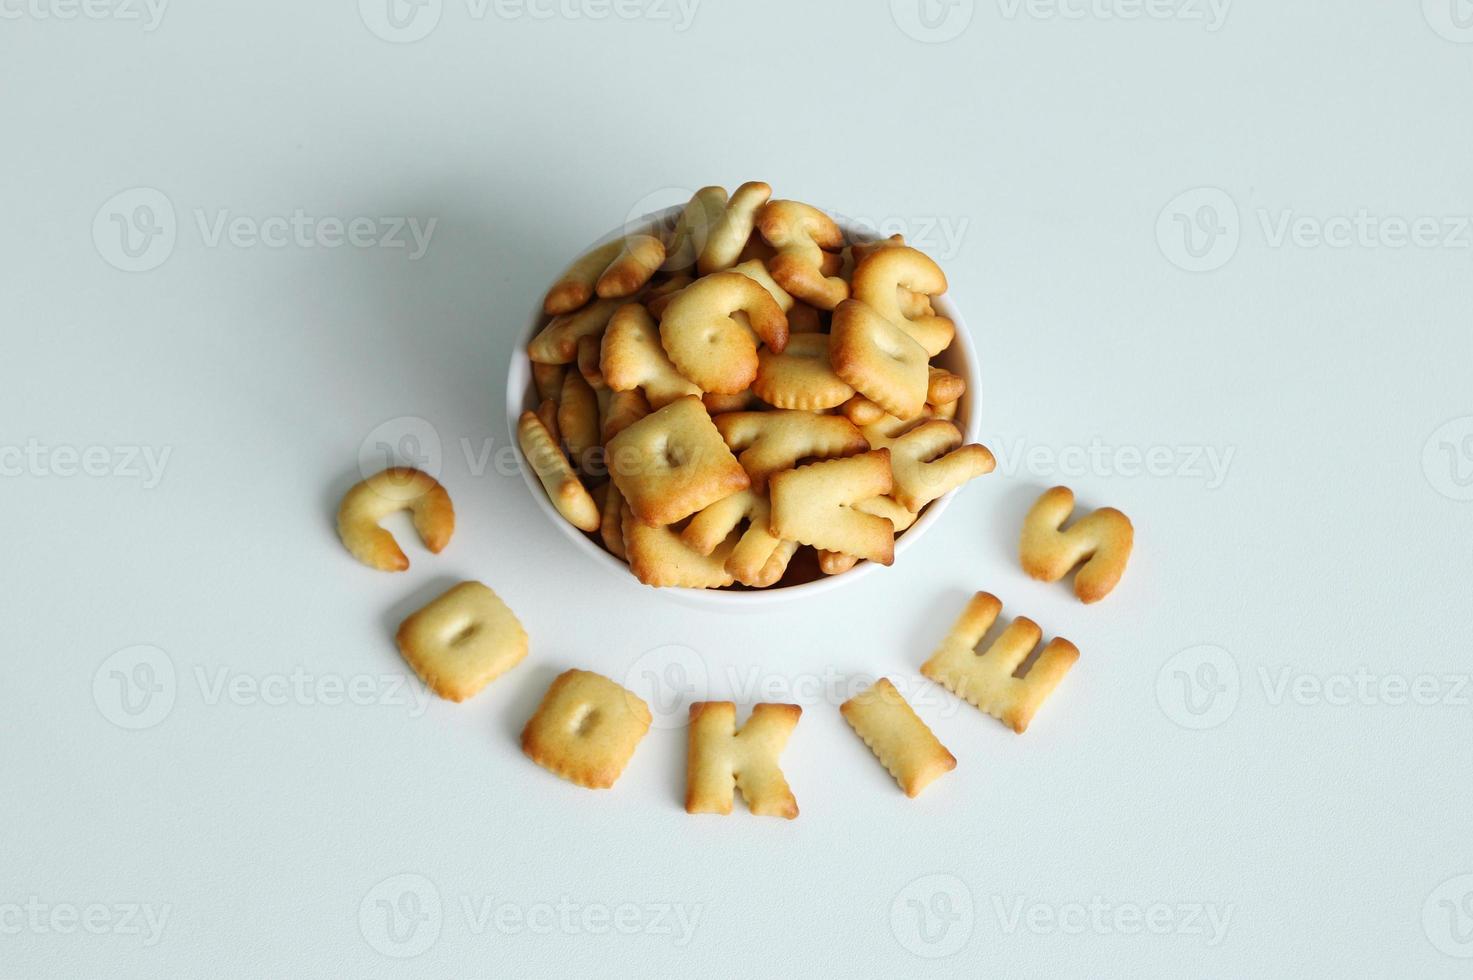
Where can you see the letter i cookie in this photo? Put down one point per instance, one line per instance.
(897, 736)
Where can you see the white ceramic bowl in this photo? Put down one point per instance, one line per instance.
(521, 395)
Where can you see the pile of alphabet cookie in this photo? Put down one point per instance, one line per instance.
(722, 390)
(770, 337)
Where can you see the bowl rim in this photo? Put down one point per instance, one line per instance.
(519, 387)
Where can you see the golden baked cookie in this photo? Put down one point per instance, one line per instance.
(1101, 540)
(749, 560)
(586, 729)
(706, 341)
(660, 557)
(723, 758)
(633, 358)
(986, 680)
(930, 461)
(394, 489)
(800, 234)
(462, 641)
(800, 377)
(815, 504)
(770, 442)
(672, 463)
(563, 487)
(897, 736)
(879, 359)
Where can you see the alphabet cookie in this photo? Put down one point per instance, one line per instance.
(930, 462)
(800, 234)
(757, 272)
(577, 418)
(897, 736)
(835, 562)
(800, 377)
(611, 521)
(884, 272)
(632, 267)
(861, 411)
(673, 462)
(633, 358)
(574, 287)
(567, 494)
(692, 229)
(705, 340)
(770, 442)
(723, 758)
(557, 343)
(879, 359)
(462, 641)
(1101, 540)
(549, 380)
(943, 387)
(728, 236)
(623, 409)
(987, 680)
(748, 320)
(586, 729)
(815, 504)
(373, 499)
(776, 567)
(756, 547)
(660, 557)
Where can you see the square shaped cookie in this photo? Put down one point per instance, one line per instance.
(462, 641)
(672, 463)
(586, 729)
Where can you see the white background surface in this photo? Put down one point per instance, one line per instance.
(1046, 147)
